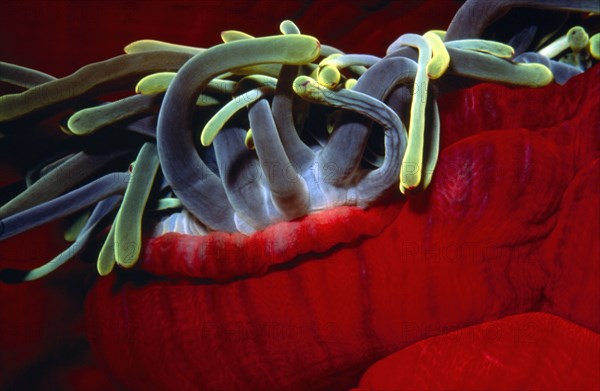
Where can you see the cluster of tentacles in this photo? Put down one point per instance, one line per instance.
(253, 131)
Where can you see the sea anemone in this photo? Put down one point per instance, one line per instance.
(268, 181)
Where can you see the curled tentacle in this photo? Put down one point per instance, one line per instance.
(490, 68)
(562, 72)
(346, 145)
(199, 189)
(440, 59)
(376, 183)
(289, 158)
(218, 121)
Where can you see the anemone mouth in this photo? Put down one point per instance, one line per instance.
(323, 129)
(224, 257)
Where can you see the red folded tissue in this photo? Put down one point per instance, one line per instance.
(486, 277)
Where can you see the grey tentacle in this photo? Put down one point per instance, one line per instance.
(288, 189)
(475, 15)
(299, 154)
(64, 205)
(242, 178)
(346, 145)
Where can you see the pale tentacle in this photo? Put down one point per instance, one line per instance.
(413, 156)
(102, 209)
(21, 76)
(490, 68)
(299, 154)
(562, 72)
(64, 205)
(128, 230)
(242, 179)
(288, 189)
(200, 190)
(112, 74)
(346, 145)
(377, 182)
(90, 120)
(61, 179)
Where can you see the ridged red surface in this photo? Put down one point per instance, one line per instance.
(223, 257)
(488, 240)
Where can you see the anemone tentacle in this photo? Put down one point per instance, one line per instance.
(260, 130)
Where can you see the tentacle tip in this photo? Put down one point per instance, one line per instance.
(72, 127)
(126, 263)
(249, 140)
(411, 191)
(103, 270)
(225, 35)
(206, 141)
(350, 83)
(126, 256)
(288, 27)
(432, 76)
(410, 183)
